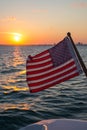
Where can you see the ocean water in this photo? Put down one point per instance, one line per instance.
(19, 107)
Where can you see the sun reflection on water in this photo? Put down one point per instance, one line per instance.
(14, 77)
(10, 106)
(13, 81)
(8, 89)
(17, 57)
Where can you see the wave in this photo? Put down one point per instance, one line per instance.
(10, 71)
(19, 107)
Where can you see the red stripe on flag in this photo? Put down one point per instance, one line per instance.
(38, 65)
(38, 60)
(50, 79)
(42, 70)
(52, 84)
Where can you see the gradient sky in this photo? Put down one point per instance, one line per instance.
(42, 21)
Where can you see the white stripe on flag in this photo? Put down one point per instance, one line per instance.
(40, 68)
(51, 76)
(39, 57)
(39, 62)
(53, 69)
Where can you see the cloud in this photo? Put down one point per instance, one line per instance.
(9, 19)
(12, 18)
(40, 11)
(80, 5)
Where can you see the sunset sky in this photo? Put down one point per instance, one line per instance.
(42, 21)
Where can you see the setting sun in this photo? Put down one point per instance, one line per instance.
(17, 38)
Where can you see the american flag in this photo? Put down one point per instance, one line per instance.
(52, 66)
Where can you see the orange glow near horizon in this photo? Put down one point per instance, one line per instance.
(12, 38)
(30, 38)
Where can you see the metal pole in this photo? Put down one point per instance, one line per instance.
(79, 57)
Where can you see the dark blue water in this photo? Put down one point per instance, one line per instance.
(19, 107)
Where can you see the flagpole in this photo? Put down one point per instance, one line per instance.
(79, 57)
